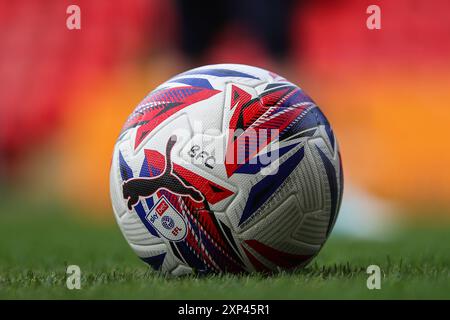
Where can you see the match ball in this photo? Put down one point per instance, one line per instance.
(226, 168)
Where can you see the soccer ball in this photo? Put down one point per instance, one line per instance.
(226, 168)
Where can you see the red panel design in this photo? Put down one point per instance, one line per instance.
(160, 105)
(280, 258)
(247, 127)
(210, 190)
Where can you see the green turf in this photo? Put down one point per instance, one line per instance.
(36, 248)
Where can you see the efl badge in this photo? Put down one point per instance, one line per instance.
(167, 220)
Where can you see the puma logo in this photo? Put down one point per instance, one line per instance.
(135, 188)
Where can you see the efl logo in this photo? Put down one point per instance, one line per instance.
(167, 220)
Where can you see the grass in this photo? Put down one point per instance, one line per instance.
(35, 250)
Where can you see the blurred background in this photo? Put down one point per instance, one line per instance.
(64, 94)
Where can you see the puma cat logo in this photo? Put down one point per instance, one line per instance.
(144, 187)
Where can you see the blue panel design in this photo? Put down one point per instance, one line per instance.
(220, 73)
(146, 173)
(196, 82)
(156, 261)
(311, 119)
(125, 170)
(298, 97)
(304, 134)
(332, 182)
(330, 135)
(190, 257)
(274, 85)
(139, 208)
(149, 202)
(144, 169)
(261, 191)
(252, 168)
